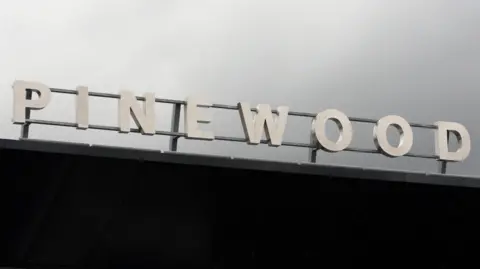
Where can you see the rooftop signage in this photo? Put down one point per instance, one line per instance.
(256, 122)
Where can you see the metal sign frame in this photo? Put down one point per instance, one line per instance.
(175, 134)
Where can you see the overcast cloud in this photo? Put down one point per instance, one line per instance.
(368, 58)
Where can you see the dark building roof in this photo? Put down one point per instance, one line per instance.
(237, 163)
(80, 206)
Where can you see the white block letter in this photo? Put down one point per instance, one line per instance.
(441, 141)
(82, 107)
(254, 126)
(20, 102)
(145, 120)
(343, 124)
(381, 140)
(194, 116)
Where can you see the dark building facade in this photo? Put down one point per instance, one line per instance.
(80, 206)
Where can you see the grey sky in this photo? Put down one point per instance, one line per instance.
(368, 58)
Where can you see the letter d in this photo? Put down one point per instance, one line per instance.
(441, 141)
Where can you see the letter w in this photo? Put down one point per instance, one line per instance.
(254, 126)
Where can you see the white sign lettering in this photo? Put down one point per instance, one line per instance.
(441, 141)
(128, 105)
(255, 123)
(193, 116)
(82, 107)
(343, 124)
(263, 120)
(21, 103)
(380, 136)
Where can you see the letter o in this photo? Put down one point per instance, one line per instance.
(381, 140)
(344, 126)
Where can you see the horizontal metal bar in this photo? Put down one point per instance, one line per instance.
(49, 122)
(423, 156)
(104, 95)
(57, 90)
(220, 138)
(263, 141)
(417, 125)
(426, 126)
(231, 107)
(232, 139)
(362, 120)
(98, 127)
(302, 114)
(291, 113)
(116, 96)
(414, 155)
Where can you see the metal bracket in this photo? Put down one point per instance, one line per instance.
(442, 165)
(26, 126)
(174, 127)
(312, 154)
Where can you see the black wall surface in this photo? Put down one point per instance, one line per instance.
(68, 211)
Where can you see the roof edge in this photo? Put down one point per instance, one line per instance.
(237, 163)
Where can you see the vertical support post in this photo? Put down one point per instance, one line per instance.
(312, 155)
(26, 126)
(174, 126)
(442, 165)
